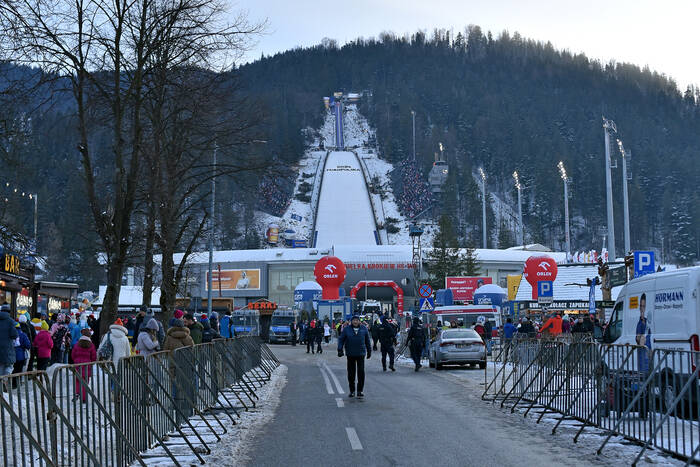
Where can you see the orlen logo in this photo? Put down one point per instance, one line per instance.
(331, 269)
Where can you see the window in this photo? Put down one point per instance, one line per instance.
(614, 329)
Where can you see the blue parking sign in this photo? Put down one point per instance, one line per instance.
(644, 263)
(545, 289)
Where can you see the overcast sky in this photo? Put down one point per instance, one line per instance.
(662, 34)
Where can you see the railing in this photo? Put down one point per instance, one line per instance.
(316, 194)
(651, 397)
(95, 414)
(369, 195)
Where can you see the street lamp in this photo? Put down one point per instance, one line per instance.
(413, 117)
(562, 172)
(625, 205)
(441, 149)
(608, 127)
(521, 231)
(483, 204)
(211, 233)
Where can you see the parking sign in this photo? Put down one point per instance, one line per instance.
(545, 292)
(644, 263)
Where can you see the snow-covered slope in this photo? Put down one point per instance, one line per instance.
(344, 212)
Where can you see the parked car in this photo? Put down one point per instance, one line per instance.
(457, 347)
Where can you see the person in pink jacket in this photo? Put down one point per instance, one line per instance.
(83, 352)
(43, 344)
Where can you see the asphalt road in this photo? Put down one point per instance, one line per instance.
(406, 419)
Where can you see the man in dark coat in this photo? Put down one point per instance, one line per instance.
(293, 332)
(354, 339)
(387, 339)
(318, 333)
(416, 342)
(8, 334)
(375, 334)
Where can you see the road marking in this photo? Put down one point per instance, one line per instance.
(335, 380)
(354, 440)
(329, 388)
(340, 402)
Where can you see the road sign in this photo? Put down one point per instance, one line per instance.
(643, 263)
(545, 292)
(426, 304)
(425, 291)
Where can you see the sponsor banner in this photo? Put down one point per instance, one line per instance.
(234, 279)
(463, 287)
(350, 266)
(669, 299)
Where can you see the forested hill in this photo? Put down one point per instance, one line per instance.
(508, 104)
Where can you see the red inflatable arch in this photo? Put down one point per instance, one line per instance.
(392, 284)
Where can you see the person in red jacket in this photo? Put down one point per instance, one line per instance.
(43, 344)
(83, 352)
(553, 325)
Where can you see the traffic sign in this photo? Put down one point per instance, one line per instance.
(643, 263)
(425, 291)
(426, 304)
(545, 292)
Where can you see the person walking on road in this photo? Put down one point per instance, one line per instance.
(387, 339)
(354, 340)
(416, 342)
(319, 336)
(311, 336)
(293, 332)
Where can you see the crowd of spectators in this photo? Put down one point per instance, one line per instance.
(273, 197)
(415, 195)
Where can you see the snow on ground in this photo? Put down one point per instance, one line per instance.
(231, 450)
(344, 211)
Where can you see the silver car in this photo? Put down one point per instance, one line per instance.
(457, 347)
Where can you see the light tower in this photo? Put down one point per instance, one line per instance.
(483, 204)
(562, 172)
(625, 205)
(521, 227)
(608, 128)
(413, 117)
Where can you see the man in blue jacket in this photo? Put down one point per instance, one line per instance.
(355, 340)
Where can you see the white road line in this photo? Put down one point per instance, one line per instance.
(354, 440)
(329, 388)
(340, 402)
(335, 380)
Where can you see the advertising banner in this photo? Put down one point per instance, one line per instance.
(463, 287)
(234, 279)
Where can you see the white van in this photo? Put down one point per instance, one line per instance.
(670, 303)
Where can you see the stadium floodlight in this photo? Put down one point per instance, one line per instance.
(483, 204)
(565, 178)
(521, 227)
(625, 201)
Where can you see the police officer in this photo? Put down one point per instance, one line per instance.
(387, 339)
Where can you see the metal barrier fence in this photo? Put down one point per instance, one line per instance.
(651, 397)
(96, 414)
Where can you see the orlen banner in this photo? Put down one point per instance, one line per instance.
(234, 279)
(463, 287)
(539, 268)
(330, 274)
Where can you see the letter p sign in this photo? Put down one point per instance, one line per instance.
(643, 263)
(545, 289)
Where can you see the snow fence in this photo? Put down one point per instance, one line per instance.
(97, 414)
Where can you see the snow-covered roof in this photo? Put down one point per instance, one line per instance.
(565, 287)
(353, 254)
(130, 295)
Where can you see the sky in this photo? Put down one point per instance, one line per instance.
(661, 34)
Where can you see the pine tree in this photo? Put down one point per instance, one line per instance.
(683, 245)
(445, 259)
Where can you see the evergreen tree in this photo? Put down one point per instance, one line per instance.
(683, 243)
(445, 258)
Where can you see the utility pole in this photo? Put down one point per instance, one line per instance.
(562, 172)
(608, 127)
(413, 117)
(483, 204)
(521, 227)
(625, 204)
(211, 235)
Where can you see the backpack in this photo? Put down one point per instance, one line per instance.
(59, 338)
(106, 350)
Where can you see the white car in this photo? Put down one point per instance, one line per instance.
(457, 347)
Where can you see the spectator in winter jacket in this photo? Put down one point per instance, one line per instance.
(148, 339)
(177, 314)
(208, 333)
(160, 333)
(354, 340)
(214, 321)
(387, 338)
(8, 334)
(22, 344)
(527, 330)
(177, 336)
(553, 325)
(416, 342)
(43, 345)
(119, 339)
(61, 339)
(138, 323)
(194, 327)
(83, 352)
(225, 325)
